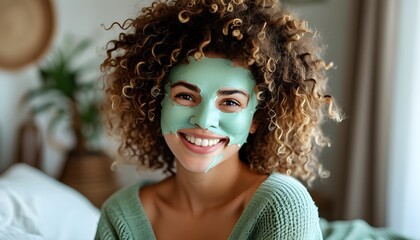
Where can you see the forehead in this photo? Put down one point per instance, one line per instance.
(211, 74)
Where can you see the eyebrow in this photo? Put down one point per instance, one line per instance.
(230, 92)
(186, 85)
(196, 89)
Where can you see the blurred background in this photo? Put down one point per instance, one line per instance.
(374, 45)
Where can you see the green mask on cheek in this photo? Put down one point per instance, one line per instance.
(210, 75)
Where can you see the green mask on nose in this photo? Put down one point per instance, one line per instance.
(210, 75)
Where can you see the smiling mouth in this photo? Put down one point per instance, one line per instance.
(202, 142)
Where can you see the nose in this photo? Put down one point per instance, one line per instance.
(206, 116)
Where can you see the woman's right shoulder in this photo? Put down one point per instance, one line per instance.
(123, 198)
(141, 194)
(152, 193)
(122, 214)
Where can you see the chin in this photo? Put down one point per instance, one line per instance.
(194, 165)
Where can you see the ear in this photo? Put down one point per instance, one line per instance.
(254, 127)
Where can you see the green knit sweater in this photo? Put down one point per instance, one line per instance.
(281, 208)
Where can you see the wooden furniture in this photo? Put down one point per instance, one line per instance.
(91, 175)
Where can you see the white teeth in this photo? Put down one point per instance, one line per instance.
(201, 142)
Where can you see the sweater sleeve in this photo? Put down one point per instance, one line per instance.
(114, 222)
(288, 213)
(105, 230)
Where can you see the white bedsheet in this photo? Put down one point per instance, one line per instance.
(36, 206)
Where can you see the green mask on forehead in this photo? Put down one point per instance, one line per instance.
(210, 75)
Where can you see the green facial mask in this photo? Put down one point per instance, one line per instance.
(210, 75)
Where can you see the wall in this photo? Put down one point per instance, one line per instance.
(79, 19)
(334, 20)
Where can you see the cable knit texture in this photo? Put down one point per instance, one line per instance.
(281, 208)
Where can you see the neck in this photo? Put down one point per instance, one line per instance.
(198, 192)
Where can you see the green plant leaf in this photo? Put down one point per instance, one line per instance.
(65, 82)
(35, 93)
(43, 107)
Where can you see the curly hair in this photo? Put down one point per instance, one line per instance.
(279, 49)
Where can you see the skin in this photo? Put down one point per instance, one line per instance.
(213, 94)
(204, 204)
(209, 99)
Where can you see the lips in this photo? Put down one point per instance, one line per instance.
(201, 145)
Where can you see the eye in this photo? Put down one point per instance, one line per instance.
(184, 96)
(231, 102)
(231, 105)
(186, 99)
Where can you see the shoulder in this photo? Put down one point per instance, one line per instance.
(116, 210)
(136, 198)
(287, 195)
(287, 208)
(124, 198)
(122, 216)
(113, 220)
(285, 188)
(153, 195)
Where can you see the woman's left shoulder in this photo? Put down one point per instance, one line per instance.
(288, 194)
(285, 210)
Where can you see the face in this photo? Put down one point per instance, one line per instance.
(207, 112)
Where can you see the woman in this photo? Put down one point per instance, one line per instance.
(226, 97)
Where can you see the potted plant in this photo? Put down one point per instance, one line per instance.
(69, 92)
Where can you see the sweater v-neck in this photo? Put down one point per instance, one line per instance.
(140, 225)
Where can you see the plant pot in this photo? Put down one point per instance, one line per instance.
(90, 174)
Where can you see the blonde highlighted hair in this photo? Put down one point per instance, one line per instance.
(280, 50)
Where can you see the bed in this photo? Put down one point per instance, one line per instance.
(36, 206)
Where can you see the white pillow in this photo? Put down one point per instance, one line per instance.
(34, 205)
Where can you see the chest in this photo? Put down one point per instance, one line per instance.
(213, 225)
